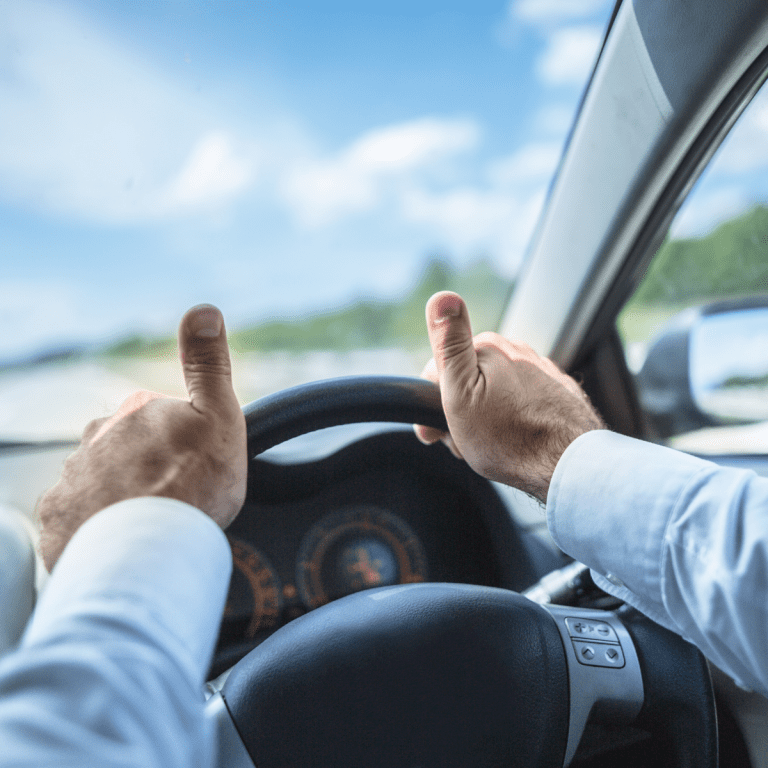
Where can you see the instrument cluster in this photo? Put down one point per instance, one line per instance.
(346, 551)
(385, 510)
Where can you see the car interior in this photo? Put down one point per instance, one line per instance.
(362, 628)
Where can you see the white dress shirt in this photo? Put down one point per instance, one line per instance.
(683, 540)
(110, 669)
(17, 576)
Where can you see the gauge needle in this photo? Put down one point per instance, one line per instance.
(370, 571)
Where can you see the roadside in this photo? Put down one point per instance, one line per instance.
(55, 401)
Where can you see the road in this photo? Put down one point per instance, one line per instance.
(56, 401)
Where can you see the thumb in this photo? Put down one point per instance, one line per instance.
(205, 359)
(450, 335)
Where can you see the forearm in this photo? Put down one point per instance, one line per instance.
(681, 539)
(109, 671)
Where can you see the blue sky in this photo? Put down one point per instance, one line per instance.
(275, 157)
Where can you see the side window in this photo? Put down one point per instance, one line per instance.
(695, 332)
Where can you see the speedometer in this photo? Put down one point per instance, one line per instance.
(254, 602)
(354, 549)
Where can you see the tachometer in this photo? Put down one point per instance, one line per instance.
(355, 549)
(254, 602)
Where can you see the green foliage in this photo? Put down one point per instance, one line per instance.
(141, 346)
(365, 323)
(369, 324)
(740, 382)
(731, 260)
(482, 288)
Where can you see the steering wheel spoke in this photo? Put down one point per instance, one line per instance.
(604, 676)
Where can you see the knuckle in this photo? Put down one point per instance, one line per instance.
(92, 427)
(454, 346)
(137, 400)
(523, 349)
(488, 338)
(214, 355)
(429, 435)
(207, 367)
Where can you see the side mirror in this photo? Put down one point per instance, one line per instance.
(708, 367)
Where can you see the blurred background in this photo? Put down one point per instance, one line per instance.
(315, 169)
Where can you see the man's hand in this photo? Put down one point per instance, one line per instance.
(193, 450)
(511, 414)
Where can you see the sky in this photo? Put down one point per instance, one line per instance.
(274, 158)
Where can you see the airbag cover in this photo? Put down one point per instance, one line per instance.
(422, 675)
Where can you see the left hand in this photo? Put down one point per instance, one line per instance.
(193, 450)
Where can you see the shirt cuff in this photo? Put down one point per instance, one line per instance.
(154, 563)
(609, 504)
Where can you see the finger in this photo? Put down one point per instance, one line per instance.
(452, 447)
(450, 335)
(205, 359)
(428, 435)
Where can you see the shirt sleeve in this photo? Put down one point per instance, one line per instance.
(683, 540)
(110, 669)
(17, 577)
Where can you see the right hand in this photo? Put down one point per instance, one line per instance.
(511, 414)
(192, 450)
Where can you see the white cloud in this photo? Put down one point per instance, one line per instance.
(704, 210)
(212, 172)
(103, 135)
(472, 219)
(466, 215)
(405, 171)
(746, 148)
(31, 310)
(552, 11)
(569, 55)
(410, 145)
(321, 191)
(496, 215)
(534, 162)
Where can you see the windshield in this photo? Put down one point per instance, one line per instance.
(316, 170)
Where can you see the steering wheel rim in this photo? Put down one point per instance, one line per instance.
(333, 402)
(258, 692)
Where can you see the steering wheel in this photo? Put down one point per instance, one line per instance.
(446, 675)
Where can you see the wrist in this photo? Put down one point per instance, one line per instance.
(534, 476)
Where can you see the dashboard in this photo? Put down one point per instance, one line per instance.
(381, 511)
